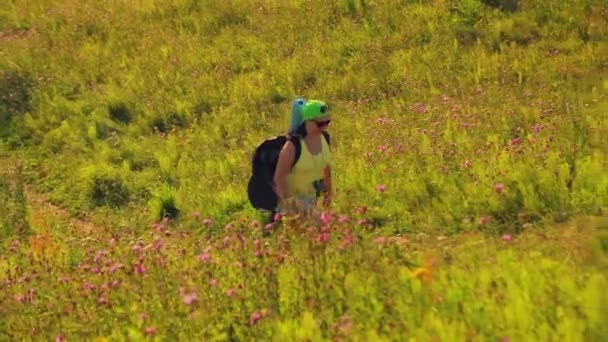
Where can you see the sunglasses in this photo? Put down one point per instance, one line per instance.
(322, 124)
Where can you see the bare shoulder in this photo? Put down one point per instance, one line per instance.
(288, 151)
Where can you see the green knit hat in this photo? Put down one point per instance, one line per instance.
(314, 109)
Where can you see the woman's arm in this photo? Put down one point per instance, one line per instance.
(286, 158)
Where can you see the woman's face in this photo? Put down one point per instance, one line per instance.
(317, 126)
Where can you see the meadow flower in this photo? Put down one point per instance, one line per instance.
(196, 214)
(189, 298)
(150, 331)
(21, 298)
(255, 317)
(420, 108)
(326, 218)
(255, 224)
(204, 257)
(507, 237)
(158, 243)
(60, 337)
(348, 239)
(381, 188)
(102, 300)
(515, 141)
(343, 219)
(499, 187)
(230, 292)
(380, 240)
(214, 282)
(361, 222)
(268, 226)
(207, 222)
(323, 237)
(483, 220)
(139, 268)
(14, 246)
(159, 227)
(361, 210)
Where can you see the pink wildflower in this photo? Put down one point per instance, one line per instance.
(421, 108)
(116, 267)
(140, 268)
(150, 331)
(499, 187)
(102, 300)
(231, 292)
(323, 237)
(507, 237)
(515, 141)
(255, 317)
(483, 220)
(381, 188)
(226, 241)
(189, 298)
(196, 214)
(204, 257)
(60, 337)
(207, 222)
(326, 218)
(21, 298)
(214, 282)
(343, 219)
(348, 239)
(380, 240)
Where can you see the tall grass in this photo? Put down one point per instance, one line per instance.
(437, 100)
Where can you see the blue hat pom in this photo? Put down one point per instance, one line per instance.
(296, 114)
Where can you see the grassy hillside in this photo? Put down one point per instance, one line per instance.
(479, 117)
(133, 104)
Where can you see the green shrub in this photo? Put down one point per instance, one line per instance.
(105, 186)
(163, 203)
(16, 88)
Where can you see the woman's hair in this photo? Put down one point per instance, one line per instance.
(300, 131)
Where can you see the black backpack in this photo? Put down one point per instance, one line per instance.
(260, 188)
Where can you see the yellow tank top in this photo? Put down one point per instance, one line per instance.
(308, 169)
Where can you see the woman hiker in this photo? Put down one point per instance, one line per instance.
(299, 187)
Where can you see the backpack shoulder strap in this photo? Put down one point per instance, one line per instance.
(327, 137)
(295, 140)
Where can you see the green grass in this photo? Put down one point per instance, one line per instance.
(481, 117)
